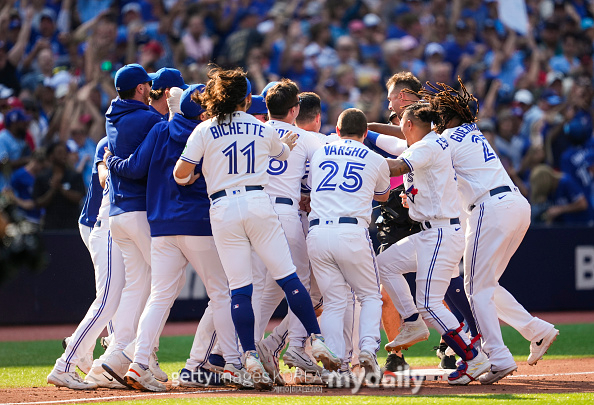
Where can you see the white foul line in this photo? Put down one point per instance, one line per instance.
(546, 375)
(117, 397)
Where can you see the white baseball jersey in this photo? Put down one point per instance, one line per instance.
(353, 173)
(285, 176)
(235, 153)
(430, 186)
(326, 138)
(476, 164)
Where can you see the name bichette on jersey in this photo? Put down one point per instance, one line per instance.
(237, 128)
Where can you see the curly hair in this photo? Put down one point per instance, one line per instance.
(449, 103)
(225, 90)
(422, 111)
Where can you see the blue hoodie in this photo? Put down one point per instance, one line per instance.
(128, 122)
(90, 209)
(171, 209)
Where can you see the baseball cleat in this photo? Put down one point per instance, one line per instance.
(200, 377)
(470, 370)
(339, 379)
(409, 334)
(447, 357)
(322, 352)
(105, 341)
(116, 365)
(102, 379)
(493, 376)
(270, 363)
(538, 348)
(368, 361)
(142, 379)
(215, 363)
(84, 363)
(155, 369)
(305, 378)
(395, 363)
(297, 357)
(69, 380)
(238, 377)
(259, 375)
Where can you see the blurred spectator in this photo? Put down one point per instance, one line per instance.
(14, 151)
(59, 190)
(82, 148)
(197, 44)
(21, 187)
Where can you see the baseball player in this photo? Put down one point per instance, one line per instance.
(163, 81)
(235, 147)
(258, 108)
(431, 195)
(109, 282)
(345, 178)
(128, 120)
(180, 232)
(499, 218)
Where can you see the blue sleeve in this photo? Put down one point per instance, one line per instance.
(100, 151)
(570, 188)
(370, 141)
(137, 164)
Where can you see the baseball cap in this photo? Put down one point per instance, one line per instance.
(371, 20)
(16, 115)
(132, 7)
(189, 107)
(258, 105)
(461, 25)
(434, 48)
(48, 13)
(129, 76)
(407, 43)
(524, 96)
(5, 92)
(268, 87)
(166, 78)
(553, 76)
(587, 23)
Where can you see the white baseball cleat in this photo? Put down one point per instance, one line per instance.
(409, 334)
(139, 378)
(238, 377)
(102, 379)
(156, 369)
(492, 377)
(85, 362)
(470, 370)
(305, 378)
(270, 362)
(339, 379)
(259, 375)
(116, 365)
(538, 348)
(296, 356)
(69, 380)
(368, 361)
(322, 353)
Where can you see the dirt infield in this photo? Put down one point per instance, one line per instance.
(547, 377)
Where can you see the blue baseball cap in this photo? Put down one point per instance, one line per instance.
(130, 76)
(258, 105)
(167, 78)
(189, 107)
(16, 115)
(268, 87)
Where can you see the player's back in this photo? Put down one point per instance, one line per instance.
(285, 176)
(345, 175)
(477, 167)
(235, 152)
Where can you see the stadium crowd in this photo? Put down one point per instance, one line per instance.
(58, 58)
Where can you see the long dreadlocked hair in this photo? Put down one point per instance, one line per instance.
(448, 103)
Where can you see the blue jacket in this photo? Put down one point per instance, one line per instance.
(171, 209)
(88, 215)
(128, 122)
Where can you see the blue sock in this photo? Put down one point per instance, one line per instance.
(412, 318)
(242, 314)
(456, 297)
(300, 302)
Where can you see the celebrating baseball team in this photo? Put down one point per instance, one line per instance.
(263, 206)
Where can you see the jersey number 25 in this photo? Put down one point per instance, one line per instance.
(352, 182)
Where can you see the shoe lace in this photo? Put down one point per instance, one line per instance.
(76, 377)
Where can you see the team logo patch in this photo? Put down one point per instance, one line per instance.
(295, 292)
(235, 306)
(411, 192)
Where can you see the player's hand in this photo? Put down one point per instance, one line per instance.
(404, 200)
(304, 204)
(174, 100)
(195, 176)
(290, 139)
(106, 155)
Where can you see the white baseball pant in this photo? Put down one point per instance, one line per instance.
(169, 258)
(496, 227)
(109, 282)
(342, 258)
(131, 231)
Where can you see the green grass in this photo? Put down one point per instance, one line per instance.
(384, 400)
(26, 364)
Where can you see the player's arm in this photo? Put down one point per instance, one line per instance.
(103, 172)
(398, 167)
(183, 172)
(389, 144)
(386, 129)
(381, 191)
(137, 164)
